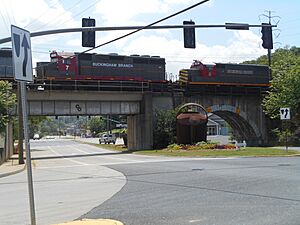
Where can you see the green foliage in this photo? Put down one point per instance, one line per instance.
(285, 89)
(285, 85)
(174, 147)
(283, 135)
(248, 151)
(201, 146)
(34, 124)
(263, 60)
(7, 101)
(97, 125)
(165, 128)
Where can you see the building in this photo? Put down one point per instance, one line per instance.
(217, 126)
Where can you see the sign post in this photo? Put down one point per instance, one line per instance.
(22, 65)
(285, 115)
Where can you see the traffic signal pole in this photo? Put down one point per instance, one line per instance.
(81, 29)
(269, 57)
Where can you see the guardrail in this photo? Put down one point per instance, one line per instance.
(100, 85)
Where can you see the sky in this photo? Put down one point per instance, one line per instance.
(213, 45)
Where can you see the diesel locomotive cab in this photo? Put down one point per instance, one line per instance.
(226, 74)
(107, 67)
(65, 63)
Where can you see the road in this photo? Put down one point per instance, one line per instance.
(247, 191)
(69, 178)
(73, 180)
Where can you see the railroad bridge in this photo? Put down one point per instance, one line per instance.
(240, 107)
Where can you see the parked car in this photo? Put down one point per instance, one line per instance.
(107, 138)
(36, 137)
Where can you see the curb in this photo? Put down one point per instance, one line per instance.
(92, 222)
(13, 172)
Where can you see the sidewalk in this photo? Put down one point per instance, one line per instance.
(11, 167)
(93, 222)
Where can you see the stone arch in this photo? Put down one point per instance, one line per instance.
(238, 120)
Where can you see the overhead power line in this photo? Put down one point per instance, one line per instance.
(151, 24)
(42, 14)
(145, 27)
(82, 11)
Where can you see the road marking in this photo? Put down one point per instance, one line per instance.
(194, 221)
(71, 160)
(131, 162)
(78, 149)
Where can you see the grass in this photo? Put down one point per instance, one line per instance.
(247, 152)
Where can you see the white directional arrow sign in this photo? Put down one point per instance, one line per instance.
(22, 64)
(22, 56)
(285, 114)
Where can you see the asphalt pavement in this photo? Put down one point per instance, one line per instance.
(74, 181)
(65, 185)
(247, 191)
(69, 180)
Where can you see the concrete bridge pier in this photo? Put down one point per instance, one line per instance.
(6, 143)
(9, 142)
(140, 127)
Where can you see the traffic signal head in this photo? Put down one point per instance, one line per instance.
(88, 37)
(267, 37)
(189, 35)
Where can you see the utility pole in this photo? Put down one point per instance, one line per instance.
(20, 128)
(267, 34)
(269, 50)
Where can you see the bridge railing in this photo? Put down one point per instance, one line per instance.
(101, 85)
(90, 85)
(6, 71)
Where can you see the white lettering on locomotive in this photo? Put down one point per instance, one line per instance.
(121, 65)
(105, 64)
(240, 71)
(125, 65)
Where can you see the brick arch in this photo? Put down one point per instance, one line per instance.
(238, 120)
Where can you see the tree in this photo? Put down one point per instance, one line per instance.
(97, 125)
(7, 101)
(165, 128)
(285, 86)
(34, 124)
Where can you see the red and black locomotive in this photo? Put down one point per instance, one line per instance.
(228, 74)
(6, 67)
(112, 67)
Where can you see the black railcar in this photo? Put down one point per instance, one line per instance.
(102, 67)
(226, 74)
(6, 65)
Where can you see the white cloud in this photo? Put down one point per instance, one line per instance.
(34, 15)
(119, 12)
(45, 15)
(243, 46)
(123, 12)
(187, 2)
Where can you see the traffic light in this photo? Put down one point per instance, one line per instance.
(88, 37)
(267, 37)
(189, 35)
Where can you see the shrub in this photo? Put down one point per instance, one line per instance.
(164, 128)
(174, 147)
(201, 146)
